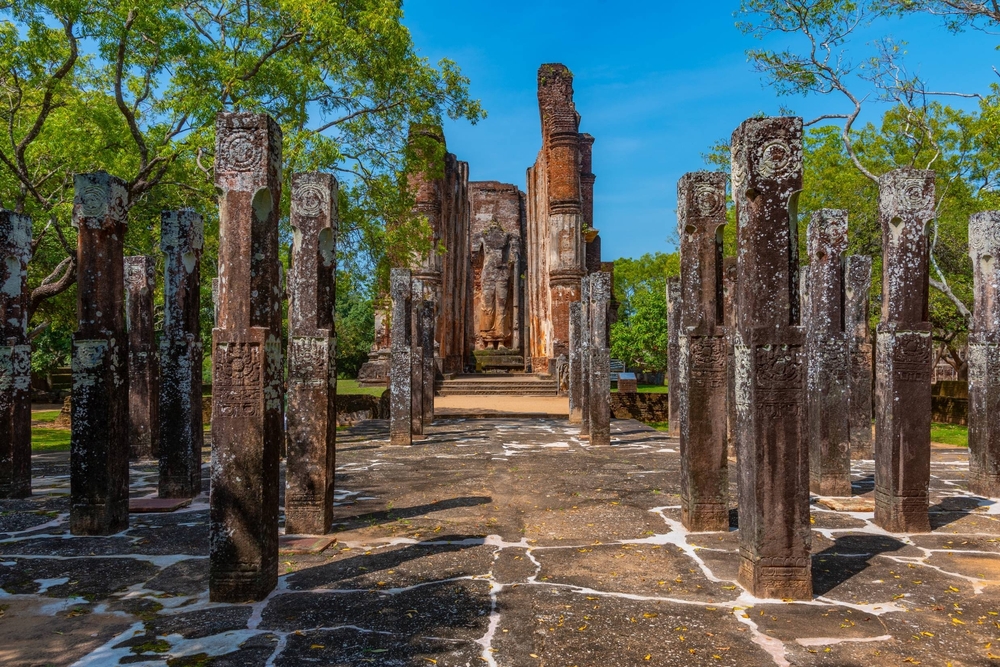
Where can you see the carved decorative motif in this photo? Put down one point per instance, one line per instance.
(309, 199)
(708, 201)
(776, 158)
(94, 201)
(778, 367)
(241, 150)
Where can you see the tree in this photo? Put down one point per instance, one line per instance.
(639, 337)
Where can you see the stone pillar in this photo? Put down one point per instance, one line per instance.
(673, 356)
(429, 366)
(247, 368)
(984, 356)
(181, 433)
(585, 357)
(312, 356)
(904, 354)
(143, 371)
(829, 361)
(416, 358)
(729, 284)
(400, 366)
(99, 443)
(770, 356)
(857, 287)
(575, 358)
(600, 360)
(15, 356)
(701, 213)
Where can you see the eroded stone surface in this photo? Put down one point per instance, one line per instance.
(401, 371)
(143, 364)
(493, 541)
(674, 354)
(857, 302)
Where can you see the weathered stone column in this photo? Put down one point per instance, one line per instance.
(984, 356)
(600, 359)
(416, 358)
(904, 354)
(181, 434)
(829, 361)
(428, 320)
(143, 371)
(312, 356)
(701, 213)
(15, 356)
(729, 287)
(247, 369)
(770, 356)
(858, 282)
(674, 388)
(585, 357)
(400, 365)
(575, 358)
(99, 443)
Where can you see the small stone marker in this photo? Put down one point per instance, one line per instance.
(15, 356)
(770, 360)
(600, 359)
(904, 354)
(181, 434)
(984, 356)
(400, 366)
(292, 545)
(247, 368)
(673, 356)
(312, 356)
(858, 282)
(143, 366)
(99, 441)
(156, 505)
(627, 383)
(829, 361)
(575, 359)
(701, 383)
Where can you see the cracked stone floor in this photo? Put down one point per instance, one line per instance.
(506, 543)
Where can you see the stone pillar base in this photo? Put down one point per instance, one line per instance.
(779, 578)
(902, 514)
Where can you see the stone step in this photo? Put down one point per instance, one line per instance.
(502, 385)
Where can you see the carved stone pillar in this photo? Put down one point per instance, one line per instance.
(984, 356)
(428, 333)
(312, 356)
(770, 357)
(143, 366)
(181, 432)
(701, 212)
(247, 368)
(904, 354)
(575, 358)
(829, 360)
(586, 347)
(416, 358)
(99, 443)
(600, 360)
(400, 367)
(729, 285)
(674, 388)
(15, 356)
(858, 281)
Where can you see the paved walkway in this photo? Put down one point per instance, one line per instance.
(494, 406)
(508, 543)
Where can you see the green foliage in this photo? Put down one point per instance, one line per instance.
(51, 350)
(639, 337)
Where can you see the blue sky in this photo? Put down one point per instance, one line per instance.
(656, 83)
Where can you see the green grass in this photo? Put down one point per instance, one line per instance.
(50, 440)
(659, 426)
(44, 415)
(649, 389)
(950, 434)
(351, 387)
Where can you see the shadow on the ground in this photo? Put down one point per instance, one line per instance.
(848, 556)
(950, 510)
(396, 513)
(862, 486)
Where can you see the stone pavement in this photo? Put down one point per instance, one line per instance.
(507, 543)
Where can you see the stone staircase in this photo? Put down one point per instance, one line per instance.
(487, 384)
